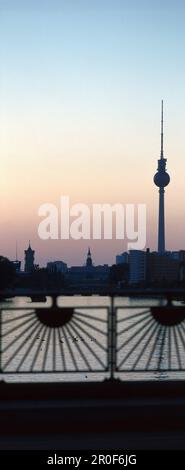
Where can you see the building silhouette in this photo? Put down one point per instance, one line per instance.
(89, 259)
(57, 267)
(17, 265)
(123, 258)
(161, 269)
(29, 259)
(137, 266)
(89, 274)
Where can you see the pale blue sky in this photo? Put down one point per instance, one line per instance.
(80, 90)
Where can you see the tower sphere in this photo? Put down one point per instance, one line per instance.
(161, 179)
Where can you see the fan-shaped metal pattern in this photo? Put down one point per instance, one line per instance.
(151, 339)
(53, 340)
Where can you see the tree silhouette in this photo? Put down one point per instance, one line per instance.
(7, 273)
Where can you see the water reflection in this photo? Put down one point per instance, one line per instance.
(81, 346)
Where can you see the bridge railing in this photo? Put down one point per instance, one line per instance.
(136, 334)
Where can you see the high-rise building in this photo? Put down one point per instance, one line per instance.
(161, 268)
(137, 266)
(29, 260)
(161, 179)
(123, 258)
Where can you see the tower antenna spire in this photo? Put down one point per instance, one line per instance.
(16, 251)
(162, 134)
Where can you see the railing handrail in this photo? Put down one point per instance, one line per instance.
(128, 292)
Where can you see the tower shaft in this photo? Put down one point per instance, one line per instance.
(161, 224)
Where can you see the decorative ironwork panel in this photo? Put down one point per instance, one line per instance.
(150, 339)
(112, 338)
(54, 339)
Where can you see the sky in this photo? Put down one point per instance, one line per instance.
(81, 84)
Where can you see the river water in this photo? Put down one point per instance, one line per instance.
(78, 349)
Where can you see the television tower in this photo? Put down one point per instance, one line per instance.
(161, 179)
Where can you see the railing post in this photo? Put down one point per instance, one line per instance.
(112, 340)
(0, 341)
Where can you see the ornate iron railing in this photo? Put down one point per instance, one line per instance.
(112, 337)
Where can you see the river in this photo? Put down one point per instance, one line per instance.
(78, 349)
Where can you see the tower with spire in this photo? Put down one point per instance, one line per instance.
(29, 259)
(161, 180)
(89, 259)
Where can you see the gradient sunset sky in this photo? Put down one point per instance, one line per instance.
(81, 84)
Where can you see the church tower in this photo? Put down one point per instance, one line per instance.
(29, 260)
(89, 259)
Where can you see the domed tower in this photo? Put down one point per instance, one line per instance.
(161, 179)
(89, 258)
